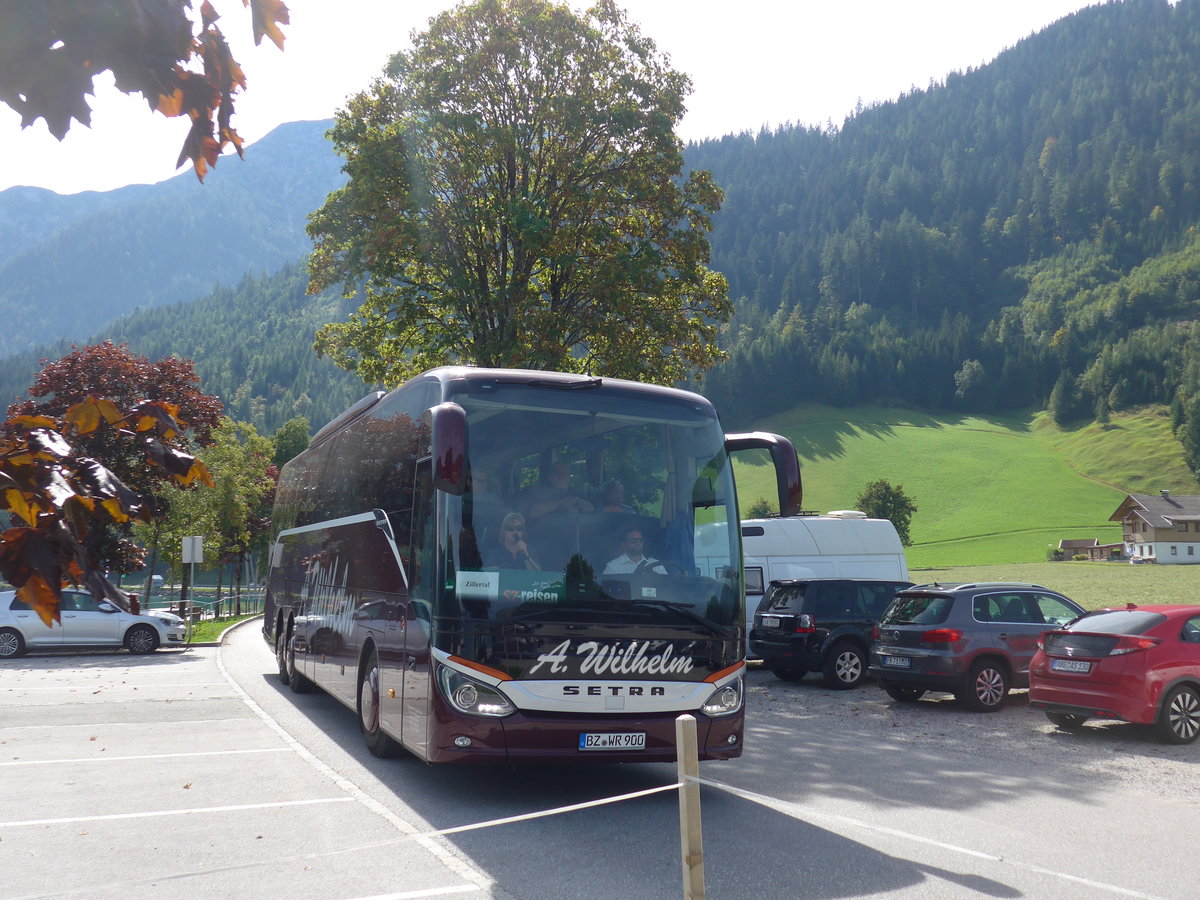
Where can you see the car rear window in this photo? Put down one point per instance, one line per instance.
(918, 609)
(1117, 621)
(784, 597)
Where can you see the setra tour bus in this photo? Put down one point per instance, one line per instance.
(500, 566)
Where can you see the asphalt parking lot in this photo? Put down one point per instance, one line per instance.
(122, 776)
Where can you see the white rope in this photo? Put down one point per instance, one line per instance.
(554, 812)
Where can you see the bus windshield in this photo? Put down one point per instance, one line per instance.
(583, 507)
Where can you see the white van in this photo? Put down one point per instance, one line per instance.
(841, 544)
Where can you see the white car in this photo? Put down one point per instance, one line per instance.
(86, 622)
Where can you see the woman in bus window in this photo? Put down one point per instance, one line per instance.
(512, 551)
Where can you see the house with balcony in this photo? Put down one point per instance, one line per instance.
(1160, 528)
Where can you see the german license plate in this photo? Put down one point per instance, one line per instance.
(1071, 665)
(770, 621)
(898, 662)
(629, 740)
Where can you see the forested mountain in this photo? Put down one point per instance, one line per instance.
(70, 264)
(1022, 234)
(252, 347)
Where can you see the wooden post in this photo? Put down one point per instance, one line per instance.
(691, 841)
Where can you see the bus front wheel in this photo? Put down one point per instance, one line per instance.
(369, 710)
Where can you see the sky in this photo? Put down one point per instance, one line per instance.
(753, 63)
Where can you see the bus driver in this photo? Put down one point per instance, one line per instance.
(633, 560)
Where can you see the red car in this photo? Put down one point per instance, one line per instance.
(1136, 664)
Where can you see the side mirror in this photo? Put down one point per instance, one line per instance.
(787, 465)
(106, 607)
(447, 424)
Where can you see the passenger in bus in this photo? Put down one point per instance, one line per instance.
(633, 560)
(612, 498)
(512, 551)
(554, 495)
(488, 507)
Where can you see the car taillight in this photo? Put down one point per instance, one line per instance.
(804, 624)
(941, 636)
(1127, 643)
(875, 636)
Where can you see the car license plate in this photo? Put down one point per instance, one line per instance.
(1071, 665)
(898, 662)
(630, 740)
(770, 621)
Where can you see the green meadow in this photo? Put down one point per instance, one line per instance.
(988, 490)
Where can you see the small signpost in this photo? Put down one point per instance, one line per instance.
(193, 552)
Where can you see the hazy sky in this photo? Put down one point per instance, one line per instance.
(752, 63)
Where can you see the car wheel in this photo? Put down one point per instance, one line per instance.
(1066, 721)
(1179, 719)
(786, 673)
(902, 693)
(987, 686)
(141, 639)
(368, 710)
(281, 654)
(12, 644)
(297, 681)
(845, 666)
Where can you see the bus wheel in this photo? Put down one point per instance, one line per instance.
(368, 710)
(281, 654)
(296, 680)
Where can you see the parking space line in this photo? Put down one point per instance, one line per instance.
(94, 725)
(174, 812)
(77, 686)
(430, 892)
(800, 811)
(431, 845)
(87, 759)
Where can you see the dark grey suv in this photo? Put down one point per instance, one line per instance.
(972, 640)
(820, 625)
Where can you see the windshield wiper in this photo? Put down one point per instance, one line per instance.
(683, 609)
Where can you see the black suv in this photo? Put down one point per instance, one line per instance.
(972, 640)
(820, 625)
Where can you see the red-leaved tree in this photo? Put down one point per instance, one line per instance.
(125, 380)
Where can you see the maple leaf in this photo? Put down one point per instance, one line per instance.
(267, 16)
(32, 421)
(87, 416)
(44, 600)
(15, 502)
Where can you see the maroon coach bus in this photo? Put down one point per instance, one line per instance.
(500, 566)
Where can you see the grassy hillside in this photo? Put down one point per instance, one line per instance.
(988, 490)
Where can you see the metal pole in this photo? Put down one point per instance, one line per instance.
(691, 841)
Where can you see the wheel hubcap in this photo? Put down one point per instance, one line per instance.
(8, 644)
(1184, 715)
(368, 700)
(141, 641)
(989, 687)
(848, 667)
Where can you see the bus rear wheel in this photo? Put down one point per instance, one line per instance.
(369, 704)
(281, 654)
(296, 679)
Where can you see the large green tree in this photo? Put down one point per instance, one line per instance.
(883, 500)
(516, 198)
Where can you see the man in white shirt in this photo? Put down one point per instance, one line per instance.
(632, 560)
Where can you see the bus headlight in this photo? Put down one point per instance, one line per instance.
(724, 700)
(472, 697)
